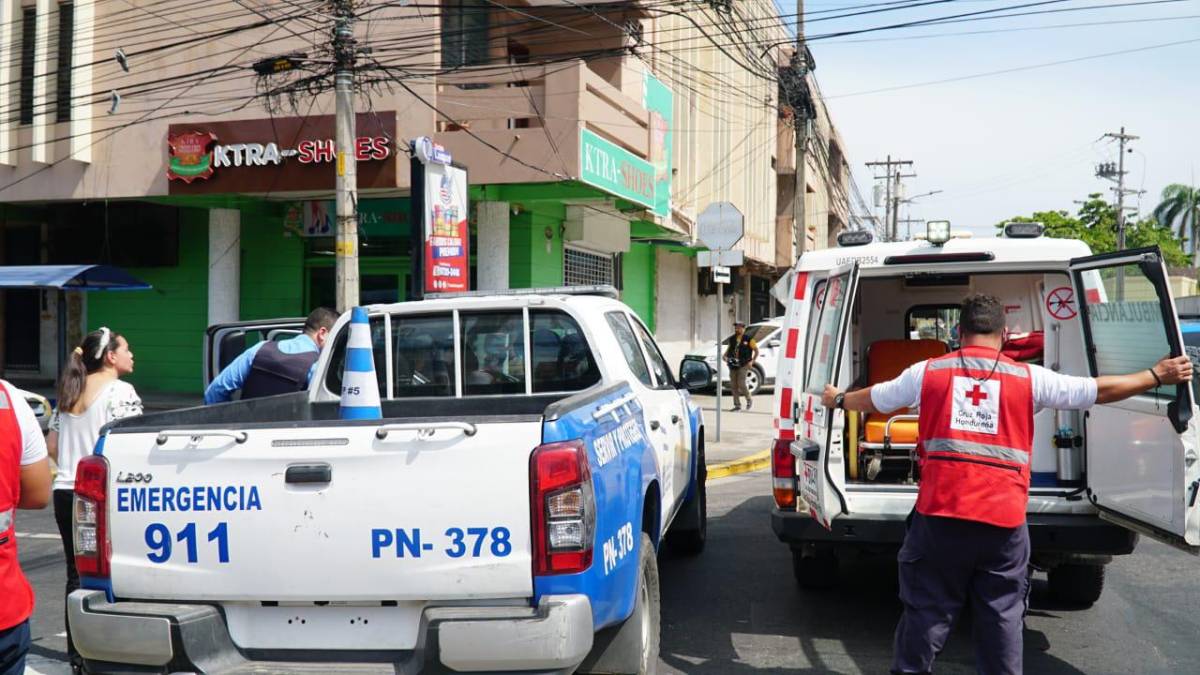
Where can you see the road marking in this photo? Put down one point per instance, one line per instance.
(40, 665)
(759, 460)
(36, 535)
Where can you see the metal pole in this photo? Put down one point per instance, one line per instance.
(720, 356)
(1121, 213)
(800, 119)
(346, 248)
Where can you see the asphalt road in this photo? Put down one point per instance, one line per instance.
(736, 609)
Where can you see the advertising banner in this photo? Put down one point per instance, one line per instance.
(447, 250)
(660, 103)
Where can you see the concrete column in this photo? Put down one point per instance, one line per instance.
(491, 219)
(224, 265)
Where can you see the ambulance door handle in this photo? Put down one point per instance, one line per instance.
(655, 425)
(674, 419)
(308, 473)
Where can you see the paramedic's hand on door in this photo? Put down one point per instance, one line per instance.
(1170, 370)
(859, 399)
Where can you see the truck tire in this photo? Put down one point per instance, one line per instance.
(650, 601)
(1077, 583)
(817, 571)
(631, 647)
(689, 532)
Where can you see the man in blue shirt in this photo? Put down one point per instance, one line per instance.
(270, 368)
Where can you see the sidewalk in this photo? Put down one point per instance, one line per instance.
(743, 433)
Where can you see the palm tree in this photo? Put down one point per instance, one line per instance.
(1180, 209)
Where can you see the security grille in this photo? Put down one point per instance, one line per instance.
(583, 268)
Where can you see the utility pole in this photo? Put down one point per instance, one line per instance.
(892, 204)
(1106, 171)
(346, 247)
(800, 102)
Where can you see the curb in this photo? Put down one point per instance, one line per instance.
(759, 460)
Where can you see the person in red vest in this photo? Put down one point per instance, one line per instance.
(967, 541)
(24, 484)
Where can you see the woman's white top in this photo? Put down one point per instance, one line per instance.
(78, 433)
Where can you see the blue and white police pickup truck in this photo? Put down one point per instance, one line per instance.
(503, 516)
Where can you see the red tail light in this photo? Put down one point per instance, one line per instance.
(563, 507)
(92, 548)
(783, 474)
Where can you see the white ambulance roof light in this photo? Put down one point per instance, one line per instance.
(855, 238)
(1023, 230)
(937, 232)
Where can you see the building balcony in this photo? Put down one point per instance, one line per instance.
(533, 123)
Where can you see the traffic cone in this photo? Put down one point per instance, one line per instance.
(360, 389)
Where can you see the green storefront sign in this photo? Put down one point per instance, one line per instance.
(615, 170)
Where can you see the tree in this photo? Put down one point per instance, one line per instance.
(1180, 209)
(1096, 225)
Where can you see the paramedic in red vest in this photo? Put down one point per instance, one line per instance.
(24, 484)
(270, 368)
(967, 543)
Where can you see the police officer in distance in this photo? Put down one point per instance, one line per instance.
(967, 541)
(270, 368)
(739, 358)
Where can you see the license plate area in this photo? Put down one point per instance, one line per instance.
(330, 627)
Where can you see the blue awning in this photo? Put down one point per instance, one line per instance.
(70, 278)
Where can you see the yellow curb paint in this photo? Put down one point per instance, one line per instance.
(759, 460)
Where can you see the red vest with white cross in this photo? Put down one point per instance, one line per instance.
(976, 441)
(16, 596)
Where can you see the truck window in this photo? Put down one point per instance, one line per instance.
(337, 362)
(662, 372)
(814, 315)
(629, 346)
(559, 353)
(832, 303)
(493, 352)
(1127, 329)
(933, 322)
(423, 358)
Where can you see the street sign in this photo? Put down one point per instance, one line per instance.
(720, 226)
(721, 275)
(720, 258)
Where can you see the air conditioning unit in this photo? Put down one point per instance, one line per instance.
(596, 229)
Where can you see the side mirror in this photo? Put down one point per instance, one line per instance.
(694, 374)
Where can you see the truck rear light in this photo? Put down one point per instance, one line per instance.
(783, 474)
(563, 508)
(92, 549)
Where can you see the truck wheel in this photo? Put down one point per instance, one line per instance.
(1076, 583)
(815, 572)
(690, 530)
(650, 603)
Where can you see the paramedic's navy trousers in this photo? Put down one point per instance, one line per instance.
(947, 564)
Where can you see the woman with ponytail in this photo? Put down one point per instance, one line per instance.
(90, 395)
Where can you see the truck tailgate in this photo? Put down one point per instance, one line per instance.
(324, 512)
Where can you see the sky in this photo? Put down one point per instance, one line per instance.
(1010, 144)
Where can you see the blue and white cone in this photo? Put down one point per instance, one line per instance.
(360, 389)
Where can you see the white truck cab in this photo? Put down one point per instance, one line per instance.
(504, 515)
(861, 313)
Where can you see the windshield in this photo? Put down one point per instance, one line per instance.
(757, 332)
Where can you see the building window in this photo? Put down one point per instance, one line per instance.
(583, 268)
(464, 33)
(66, 47)
(28, 39)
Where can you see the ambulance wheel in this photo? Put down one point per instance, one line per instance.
(650, 605)
(815, 571)
(1077, 584)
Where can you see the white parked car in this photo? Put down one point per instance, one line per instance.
(766, 333)
(41, 406)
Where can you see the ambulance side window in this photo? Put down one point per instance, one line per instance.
(814, 315)
(933, 322)
(832, 303)
(1126, 322)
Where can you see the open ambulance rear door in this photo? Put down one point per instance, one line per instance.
(1141, 466)
(819, 447)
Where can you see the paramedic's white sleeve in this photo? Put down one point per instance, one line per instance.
(1061, 392)
(902, 392)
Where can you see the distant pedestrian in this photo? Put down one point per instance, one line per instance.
(270, 367)
(90, 395)
(740, 356)
(24, 484)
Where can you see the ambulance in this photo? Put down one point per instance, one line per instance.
(861, 313)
